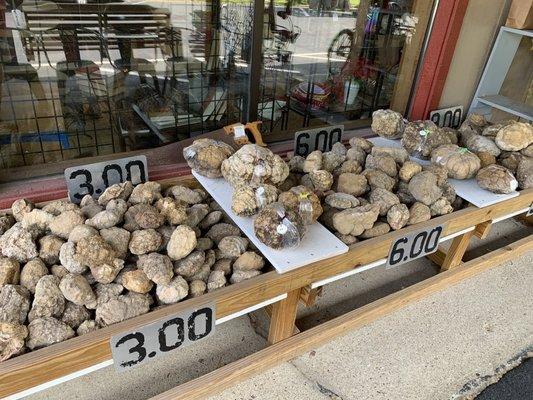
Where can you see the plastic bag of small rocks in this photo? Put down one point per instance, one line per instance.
(279, 227)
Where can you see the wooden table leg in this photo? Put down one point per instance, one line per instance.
(283, 317)
(455, 253)
(482, 230)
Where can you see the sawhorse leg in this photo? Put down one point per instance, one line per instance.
(283, 317)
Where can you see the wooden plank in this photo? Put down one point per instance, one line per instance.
(75, 354)
(410, 57)
(308, 296)
(457, 249)
(438, 257)
(285, 350)
(482, 230)
(268, 310)
(283, 317)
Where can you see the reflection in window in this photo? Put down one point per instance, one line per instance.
(330, 61)
(88, 78)
(84, 78)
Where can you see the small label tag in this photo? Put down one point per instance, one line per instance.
(239, 131)
(282, 229)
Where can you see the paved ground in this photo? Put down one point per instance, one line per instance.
(452, 344)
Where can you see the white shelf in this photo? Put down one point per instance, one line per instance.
(508, 105)
(318, 243)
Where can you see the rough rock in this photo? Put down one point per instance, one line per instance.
(362, 143)
(181, 243)
(219, 231)
(137, 281)
(382, 163)
(74, 315)
(418, 212)
(388, 124)
(12, 337)
(86, 327)
(223, 264)
(242, 275)
(398, 216)
(379, 179)
(205, 156)
(313, 162)
(247, 261)
(348, 240)
(216, 280)
(9, 271)
(107, 272)
(408, 170)
(18, 243)
(515, 137)
(6, 222)
(423, 187)
(104, 293)
(354, 221)
(322, 180)
(440, 207)
(485, 158)
(332, 160)
(37, 219)
(399, 155)
(197, 288)
(21, 207)
(144, 241)
(341, 201)
(76, 289)
(384, 199)
(56, 207)
(210, 219)
(233, 246)
(46, 331)
(63, 224)
(353, 184)
(123, 307)
(496, 179)
(32, 271)
(48, 300)
(14, 304)
(524, 173)
(93, 251)
(70, 260)
(356, 154)
(157, 267)
(147, 193)
(116, 191)
(176, 290)
(81, 232)
(379, 229)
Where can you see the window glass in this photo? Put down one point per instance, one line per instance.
(331, 61)
(89, 78)
(82, 79)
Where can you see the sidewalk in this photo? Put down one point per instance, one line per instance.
(428, 350)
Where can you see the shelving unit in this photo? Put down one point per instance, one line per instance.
(487, 94)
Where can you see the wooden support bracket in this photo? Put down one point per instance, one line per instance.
(438, 257)
(308, 296)
(283, 317)
(454, 255)
(482, 230)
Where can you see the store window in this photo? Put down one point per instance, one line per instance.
(84, 79)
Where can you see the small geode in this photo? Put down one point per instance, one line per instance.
(279, 227)
(205, 156)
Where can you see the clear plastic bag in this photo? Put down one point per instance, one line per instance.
(205, 156)
(279, 227)
(304, 201)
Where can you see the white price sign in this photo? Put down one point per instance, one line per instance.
(93, 179)
(321, 139)
(449, 117)
(131, 349)
(414, 245)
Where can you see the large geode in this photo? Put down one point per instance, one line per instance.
(388, 124)
(279, 227)
(420, 138)
(254, 165)
(205, 156)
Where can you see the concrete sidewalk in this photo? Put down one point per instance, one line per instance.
(448, 345)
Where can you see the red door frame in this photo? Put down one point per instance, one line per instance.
(438, 57)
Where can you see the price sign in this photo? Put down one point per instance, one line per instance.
(414, 245)
(321, 139)
(94, 178)
(131, 349)
(449, 117)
